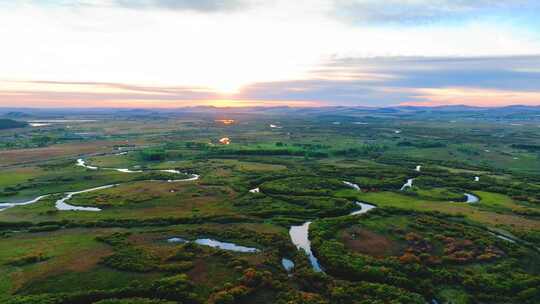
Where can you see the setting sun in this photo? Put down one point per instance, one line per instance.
(153, 53)
(270, 152)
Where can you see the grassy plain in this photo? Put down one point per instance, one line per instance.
(251, 191)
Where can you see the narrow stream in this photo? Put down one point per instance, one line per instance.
(300, 236)
(216, 244)
(354, 186)
(63, 206)
(364, 207)
(128, 171)
(9, 205)
(502, 237)
(225, 245)
(471, 198)
(82, 163)
(408, 184)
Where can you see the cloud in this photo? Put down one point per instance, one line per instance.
(104, 94)
(425, 11)
(205, 6)
(193, 5)
(378, 81)
(324, 92)
(58, 93)
(497, 72)
(107, 50)
(413, 80)
(472, 96)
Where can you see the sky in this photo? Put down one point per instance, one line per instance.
(177, 53)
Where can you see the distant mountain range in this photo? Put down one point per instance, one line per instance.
(353, 111)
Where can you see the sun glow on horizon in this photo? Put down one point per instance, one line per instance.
(296, 53)
(227, 89)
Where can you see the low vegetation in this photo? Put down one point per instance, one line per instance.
(420, 243)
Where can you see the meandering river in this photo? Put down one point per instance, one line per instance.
(300, 236)
(470, 198)
(9, 205)
(63, 206)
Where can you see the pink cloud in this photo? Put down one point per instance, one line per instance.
(472, 96)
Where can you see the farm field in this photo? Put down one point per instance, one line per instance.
(332, 206)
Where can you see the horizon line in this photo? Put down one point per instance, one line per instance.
(274, 107)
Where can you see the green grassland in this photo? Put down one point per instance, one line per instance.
(422, 243)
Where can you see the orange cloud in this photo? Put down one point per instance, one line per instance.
(471, 96)
(93, 94)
